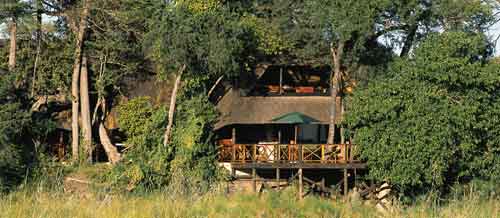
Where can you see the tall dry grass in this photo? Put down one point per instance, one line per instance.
(40, 204)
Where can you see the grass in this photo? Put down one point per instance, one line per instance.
(43, 204)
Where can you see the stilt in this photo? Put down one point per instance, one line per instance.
(254, 180)
(301, 184)
(254, 171)
(278, 179)
(355, 178)
(345, 182)
(323, 187)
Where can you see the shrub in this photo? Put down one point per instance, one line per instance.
(145, 162)
(13, 122)
(186, 165)
(194, 168)
(432, 120)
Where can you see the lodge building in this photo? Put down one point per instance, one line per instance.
(274, 129)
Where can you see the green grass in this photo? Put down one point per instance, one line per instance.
(39, 204)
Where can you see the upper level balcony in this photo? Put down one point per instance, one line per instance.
(278, 80)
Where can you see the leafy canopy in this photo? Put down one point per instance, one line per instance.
(423, 125)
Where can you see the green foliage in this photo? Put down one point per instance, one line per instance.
(423, 126)
(206, 41)
(13, 122)
(13, 8)
(194, 169)
(270, 39)
(186, 165)
(145, 162)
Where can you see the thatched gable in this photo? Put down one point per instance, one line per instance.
(262, 110)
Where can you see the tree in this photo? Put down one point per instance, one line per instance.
(80, 37)
(85, 109)
(196, 38)
(13, 10)
(420, 127)
(352, 29)
(15, 119)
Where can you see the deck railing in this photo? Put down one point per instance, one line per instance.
(288, 153)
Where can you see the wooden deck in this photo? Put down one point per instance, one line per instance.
(297, 157)
(290, 156)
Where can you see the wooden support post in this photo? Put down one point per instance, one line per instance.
(278, 153)
(301, 155)
(355, 175)
(278, 179)
(279, 136)
(254, 171)
(278, 159)
(345, 182)
(323, 186)
(254, 179)
(301, 184)
(233, 140)
(254, 153)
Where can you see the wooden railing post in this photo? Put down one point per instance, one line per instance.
(323, 153)
(278, 153)
(301, 152)
(254, 153)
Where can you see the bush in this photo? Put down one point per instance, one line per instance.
(13, 122)
(433, 119)
(194, 168)
(186, 165)
(145, 163)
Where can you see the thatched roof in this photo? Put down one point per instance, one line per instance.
(262, 110)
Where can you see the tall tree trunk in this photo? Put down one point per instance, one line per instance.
(74, 82)
(334, 88)
(85, 110)
(109, 148)
(13, 44)
(38, 34)
(171, 109)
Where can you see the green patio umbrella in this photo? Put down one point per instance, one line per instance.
(294, 118)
